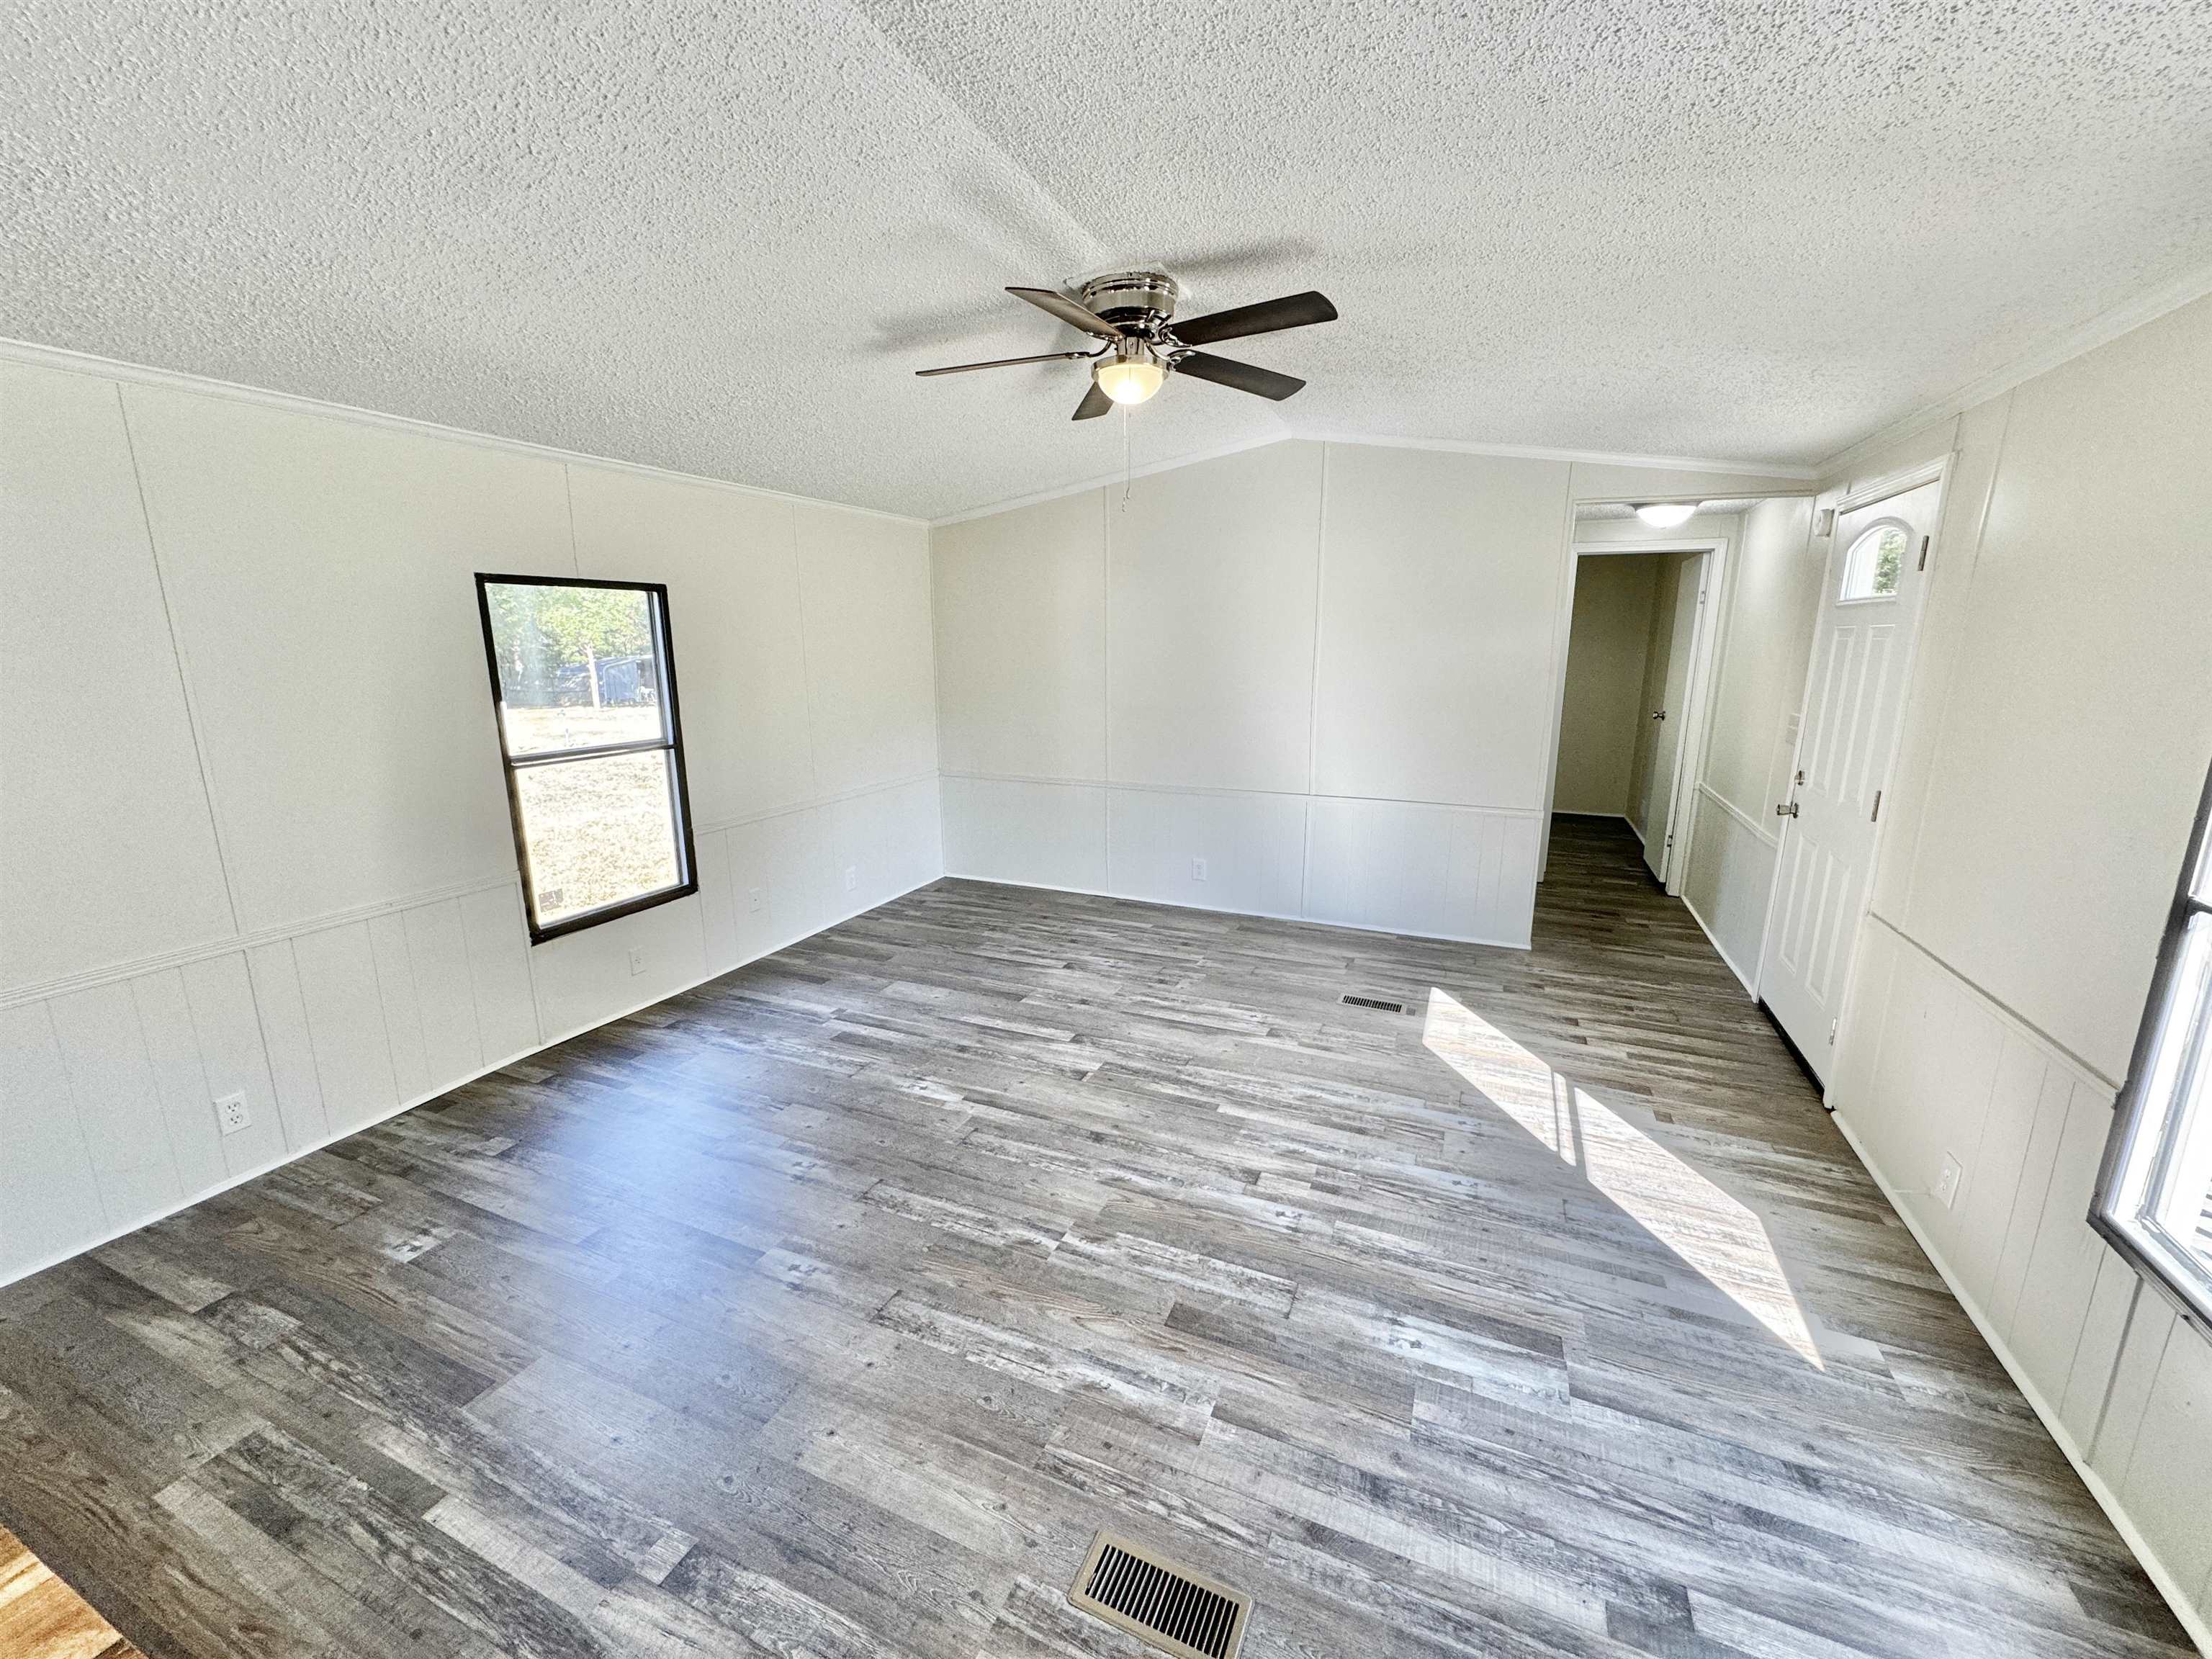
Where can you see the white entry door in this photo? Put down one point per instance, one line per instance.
(1663, 813)
(1854, 693)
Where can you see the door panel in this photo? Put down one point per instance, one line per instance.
(1854, 694)
(1660, 813)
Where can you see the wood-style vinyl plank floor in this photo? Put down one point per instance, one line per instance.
(829, 1309)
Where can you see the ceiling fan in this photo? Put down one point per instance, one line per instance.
(1133, 314)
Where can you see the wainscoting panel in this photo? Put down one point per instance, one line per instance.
(348, 1025)
(1253, 846)
(288, 1047)
(1039, 835)
(1730, 877)
(108, 1091)
(50, 1199)
(1398, 866)
(1459, 873)
(2123, 1386)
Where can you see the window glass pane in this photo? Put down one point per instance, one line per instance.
(1875, 562)
(2184, 1070)
(598, 831)
(577, 665)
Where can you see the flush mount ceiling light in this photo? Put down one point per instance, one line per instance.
(1133, 313)
(1666, 515)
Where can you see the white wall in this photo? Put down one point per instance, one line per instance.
(1326, 670)
(1773, 592)
(1601, 708)
(2057, 734)
(249, 792)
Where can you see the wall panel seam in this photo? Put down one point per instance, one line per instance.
(806, 672)
(153, 1077)
(239, 944)
(177, 656)
(1106, 680)
(1233, 791)
(76, 1116)
(2120, 1347)
(1961, 607)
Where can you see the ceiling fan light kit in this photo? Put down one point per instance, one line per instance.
(1131, 313)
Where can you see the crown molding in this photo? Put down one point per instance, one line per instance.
(1802, 475)
(2061, 348)
(84, 363)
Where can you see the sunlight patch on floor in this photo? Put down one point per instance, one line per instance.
(1710, 1231)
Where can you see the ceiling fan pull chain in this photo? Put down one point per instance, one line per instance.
(1127, 476)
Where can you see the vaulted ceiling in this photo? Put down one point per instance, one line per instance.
(721, 239)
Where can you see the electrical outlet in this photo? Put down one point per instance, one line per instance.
(1947, 1184)
(755, 897)
(231, 1113)
(1198, 869)
(637, 961)
(852, 877)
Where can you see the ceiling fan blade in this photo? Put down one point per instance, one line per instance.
(1000, 363)
(1095, 402)
(1292, 311)
(1069, 312)
(1227, 371)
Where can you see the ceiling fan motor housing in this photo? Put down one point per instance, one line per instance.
(1141, 301)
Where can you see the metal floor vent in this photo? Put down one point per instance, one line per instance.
(1174, 1609)
(1374, 1002)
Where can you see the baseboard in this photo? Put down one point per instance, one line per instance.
(1264, 915)
(1720, 950)
(2193, 1621)
(13, 1275)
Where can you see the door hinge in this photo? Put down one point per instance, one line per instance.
(1832, 1033)
(1875, 818)
(1924, 552)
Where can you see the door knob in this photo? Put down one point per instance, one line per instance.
(1660, 715)
(1787, 809)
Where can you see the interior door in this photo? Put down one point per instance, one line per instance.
(1681, 636)
(1854, 694)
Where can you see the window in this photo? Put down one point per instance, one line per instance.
(2154, 1196)
(1875, 561)
(584, 686)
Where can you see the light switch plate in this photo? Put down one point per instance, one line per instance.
(231, 1113)
(852, 877)
(1198, 869)
(755, 897)
(1947, 1184)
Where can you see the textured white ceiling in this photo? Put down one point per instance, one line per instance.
(720, 237)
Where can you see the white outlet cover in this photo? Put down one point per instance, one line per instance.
(755, 897)
(636, 960)
(1198, 869)
(1947, 1184)
(232, 1114)
(852, 877)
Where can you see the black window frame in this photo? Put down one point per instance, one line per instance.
(670, 742)
(2138, 1117)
